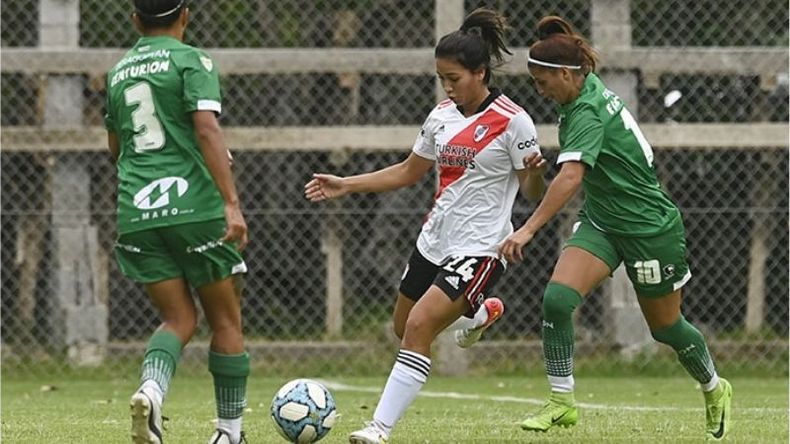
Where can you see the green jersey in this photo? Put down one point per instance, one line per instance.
(151, 93)
(622, 193)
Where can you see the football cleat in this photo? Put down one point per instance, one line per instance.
(559, 410)
(718, 411)
(222, 437)
(146, 419)
(468, 336)
(369, 435)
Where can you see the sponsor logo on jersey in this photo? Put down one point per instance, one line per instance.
(207, 63)
(533, 142)
(669, 270)
(453, 281)
(157, 193)
(456, 156)
(480, 132)
(440, 129)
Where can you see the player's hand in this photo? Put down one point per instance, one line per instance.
(534, 163)
(324, 187)
(512, 248)
(236, 230)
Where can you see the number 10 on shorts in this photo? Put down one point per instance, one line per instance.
(648, 272)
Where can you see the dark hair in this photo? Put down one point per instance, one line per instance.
(158, 13)
(480, 38)
(560, 44)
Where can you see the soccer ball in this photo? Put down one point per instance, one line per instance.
(303, 411)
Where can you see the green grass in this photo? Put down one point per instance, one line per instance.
(485, 410)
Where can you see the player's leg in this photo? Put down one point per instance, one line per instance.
(657, 267)
(588, 258)
(415, 281)
(430, 315)
(228, 362)
(470, 327)
(144, 257)
(211, 267)
(440, 306)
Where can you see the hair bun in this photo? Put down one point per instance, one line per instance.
(551, 25)
(474, 30)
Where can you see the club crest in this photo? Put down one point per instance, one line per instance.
(207, 63)
(481, 132)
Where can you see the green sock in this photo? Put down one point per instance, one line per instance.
(230, 383)
(161, 356)
(559, 301)
(690, 346)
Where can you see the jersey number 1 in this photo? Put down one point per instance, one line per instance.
(148, 130)
(631, 125)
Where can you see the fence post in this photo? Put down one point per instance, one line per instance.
(763, 223)
(611, 29)
(78, 311)
(448, 359)
(332, 247)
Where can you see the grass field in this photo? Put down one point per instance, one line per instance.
(450, 410)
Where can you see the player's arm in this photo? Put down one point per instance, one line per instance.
(114, 145)
(215, 154)
(531, 179)
(560, 191)
(405, 173)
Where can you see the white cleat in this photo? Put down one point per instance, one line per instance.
(146, 419)
(222, 437)
(468, 336)
(369, 435)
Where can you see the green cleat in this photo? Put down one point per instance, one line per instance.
(718, 411)
(559, 410)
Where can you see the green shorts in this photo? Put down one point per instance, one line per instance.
(656, 265)
(191, 251)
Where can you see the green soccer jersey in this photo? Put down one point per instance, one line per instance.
(622, 193)
(151, 93)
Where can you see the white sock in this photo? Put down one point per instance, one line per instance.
(406, 379)
(463, 323)
(710, 385)
(152, 389)
(562, 384)
(231, 426)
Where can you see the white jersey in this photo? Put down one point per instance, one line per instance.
(476, 161)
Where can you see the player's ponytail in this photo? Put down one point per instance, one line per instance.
(560, 46)
(481, 38)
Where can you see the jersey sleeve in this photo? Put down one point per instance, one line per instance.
(201, 83)
(424, 145)
(522, 139)
(583, 137)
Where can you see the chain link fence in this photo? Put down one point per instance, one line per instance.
(323, 278)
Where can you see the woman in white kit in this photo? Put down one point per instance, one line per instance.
(484, 148)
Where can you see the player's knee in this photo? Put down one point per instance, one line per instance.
(418, 333)
(183, 324)
(559, 301)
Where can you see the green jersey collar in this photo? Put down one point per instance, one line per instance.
(587, 88)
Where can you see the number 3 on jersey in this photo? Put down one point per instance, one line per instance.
(148, 130)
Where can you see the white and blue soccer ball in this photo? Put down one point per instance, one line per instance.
(303, 411)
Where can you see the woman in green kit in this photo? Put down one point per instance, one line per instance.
(626, 218)
(179, 220)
